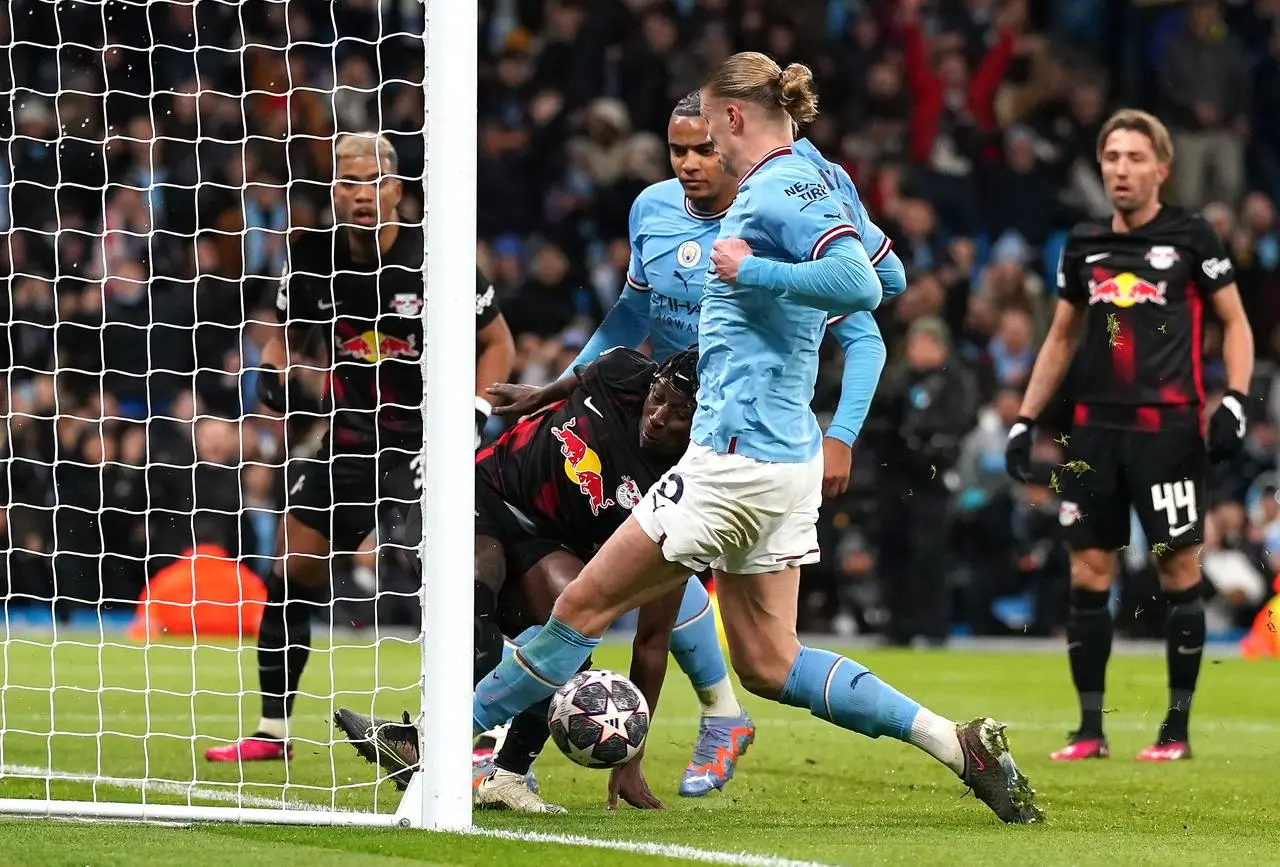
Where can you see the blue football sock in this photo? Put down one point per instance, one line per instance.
(841, 691)
(694, 642)
(532, 673)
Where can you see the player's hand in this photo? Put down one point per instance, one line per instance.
(727, 256)
(272, 389)
(1017, 454)
(628, 783)
(837, 461)
(1227, 427)
(513, 399)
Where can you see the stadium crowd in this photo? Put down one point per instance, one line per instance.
(157, 161)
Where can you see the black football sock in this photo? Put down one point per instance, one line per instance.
(488, 640)
(525, 739)
(284, 644)
(1089, 648)
(1184, 648)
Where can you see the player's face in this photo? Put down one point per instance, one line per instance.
(1131, 172)
(365, 194)
(724, 121)
(665, 422)
(694, 158)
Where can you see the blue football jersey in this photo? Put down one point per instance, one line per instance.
(874, 240)
(670, 252)
(759, 352)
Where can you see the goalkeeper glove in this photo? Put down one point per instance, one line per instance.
(1227, 427)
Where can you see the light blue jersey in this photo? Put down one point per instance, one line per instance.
(759, 337)
(874, 240)
(662, 299)
(670, 249)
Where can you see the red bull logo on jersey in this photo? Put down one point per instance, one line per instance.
(374, 346)
(1126, 290)
(582, 466)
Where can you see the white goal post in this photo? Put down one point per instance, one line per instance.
(97, 719)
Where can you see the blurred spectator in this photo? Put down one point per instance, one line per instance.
(930, 406)
(1206, 100)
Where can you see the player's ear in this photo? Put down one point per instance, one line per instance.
(397, 190)
(1162, 172)
(734, 111)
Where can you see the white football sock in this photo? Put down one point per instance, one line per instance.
(277, 728)
(937, 737)
(719, 700)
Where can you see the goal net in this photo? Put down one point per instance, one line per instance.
(160, 155)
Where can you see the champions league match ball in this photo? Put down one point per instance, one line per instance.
(599, 719)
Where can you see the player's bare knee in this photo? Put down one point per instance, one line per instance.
(761, 667)
(1179, 570)
(1093, 569)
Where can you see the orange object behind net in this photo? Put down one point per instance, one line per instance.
(206, 594)
(1263, 640)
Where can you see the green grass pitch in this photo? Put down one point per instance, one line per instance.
(806, 791)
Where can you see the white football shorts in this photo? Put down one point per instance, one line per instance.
(734, 513)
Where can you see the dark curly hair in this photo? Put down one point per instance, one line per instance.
(680, 371)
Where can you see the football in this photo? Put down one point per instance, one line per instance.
(599, 719)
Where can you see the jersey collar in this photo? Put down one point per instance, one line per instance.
(698, 215)
(776, 152)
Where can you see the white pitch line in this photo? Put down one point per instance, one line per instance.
(660, 850)
(193, 791)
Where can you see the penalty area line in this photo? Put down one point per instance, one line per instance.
(661, 850)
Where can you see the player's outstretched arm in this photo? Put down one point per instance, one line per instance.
(840, 280)
(626, 324)
(649, 652)
(864, 357)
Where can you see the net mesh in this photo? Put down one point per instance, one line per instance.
(158, 156)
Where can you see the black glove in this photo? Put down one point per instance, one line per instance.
(285, 395)
(271, 389)
(1227, 427)
(1017, 454)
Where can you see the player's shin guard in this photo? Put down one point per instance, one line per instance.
(1089, 649)
(841, 691)
(284, 643)
(1184, 649)
(532, 673)
(696, 647)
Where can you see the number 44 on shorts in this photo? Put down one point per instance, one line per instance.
(1178, 502)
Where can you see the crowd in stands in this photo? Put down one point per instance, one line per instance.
(157, 161)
